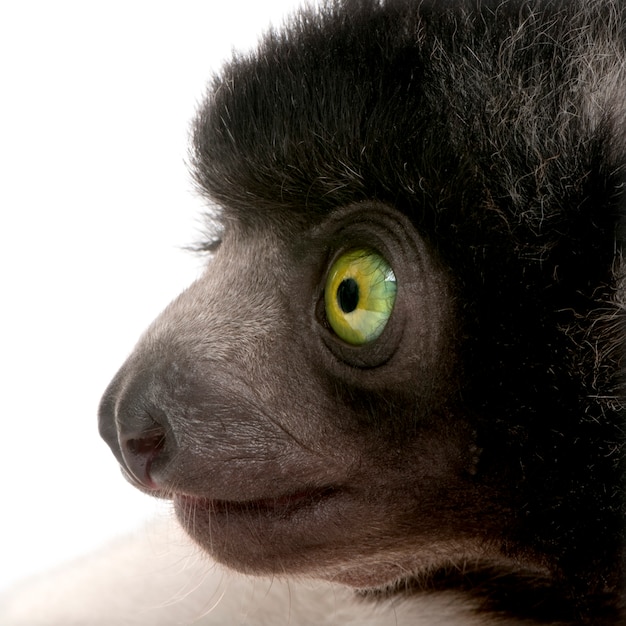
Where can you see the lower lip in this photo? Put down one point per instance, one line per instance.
(280, 506)
(264, 535)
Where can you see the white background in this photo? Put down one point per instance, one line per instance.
(95, 207)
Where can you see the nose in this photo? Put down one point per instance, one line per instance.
(136, 432)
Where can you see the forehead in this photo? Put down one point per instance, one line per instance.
(297, 126)
(406, 106)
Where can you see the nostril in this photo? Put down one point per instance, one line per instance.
(140, 451)
(147, 445)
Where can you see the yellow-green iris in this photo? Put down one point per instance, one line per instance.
(359, 296)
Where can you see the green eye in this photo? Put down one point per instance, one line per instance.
(359, 296)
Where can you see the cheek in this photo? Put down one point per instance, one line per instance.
(283, 449)
(349, 532)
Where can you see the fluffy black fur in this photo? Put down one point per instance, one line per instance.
(497, 129)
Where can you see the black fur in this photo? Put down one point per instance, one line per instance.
(490, 134)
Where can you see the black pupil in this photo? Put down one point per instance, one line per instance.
(348, 295)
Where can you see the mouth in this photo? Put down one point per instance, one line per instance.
(279, 506)
(262, 535)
